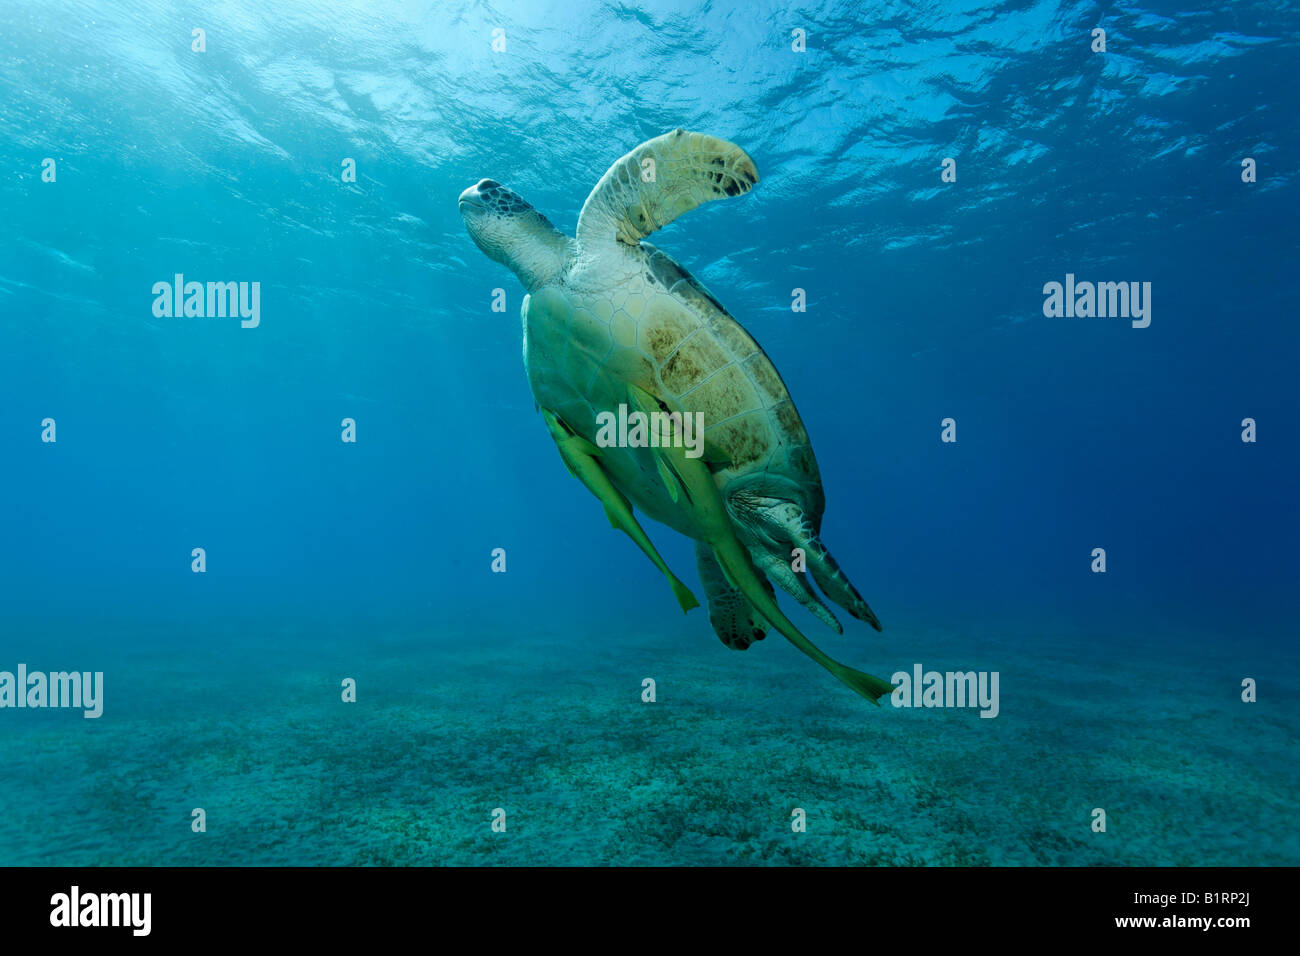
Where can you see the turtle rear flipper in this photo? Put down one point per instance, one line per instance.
(777, 568)
(835, 584)
(787, 521)
(734, 619)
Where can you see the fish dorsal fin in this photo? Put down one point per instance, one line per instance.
(672, 480)
(560, 429)
(587, 447)
(658, 181)
(646, 403)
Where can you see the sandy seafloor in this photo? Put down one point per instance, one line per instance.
(246, 722)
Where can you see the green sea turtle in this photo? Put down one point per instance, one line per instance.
(606, 311)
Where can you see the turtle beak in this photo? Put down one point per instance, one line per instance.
(474, 195)
(469, 197)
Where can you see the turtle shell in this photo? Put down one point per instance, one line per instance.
(639, 317)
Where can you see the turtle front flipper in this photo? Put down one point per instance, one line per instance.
(580, 457)
(734, 619)
(784, 520)
(658, 181)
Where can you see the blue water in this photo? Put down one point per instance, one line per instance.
(522, 690)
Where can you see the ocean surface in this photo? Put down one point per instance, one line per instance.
(928, 169)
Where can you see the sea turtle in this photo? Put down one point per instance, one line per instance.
(607, 311)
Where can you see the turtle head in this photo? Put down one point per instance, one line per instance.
(513, 233)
